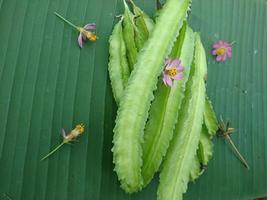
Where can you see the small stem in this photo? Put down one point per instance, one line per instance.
(68, 22)
(232, 43)
(125, 4)
(241, 158)
(131, 1)
(53, 151)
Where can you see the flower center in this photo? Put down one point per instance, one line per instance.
(79, 128)
(89, 35)
(93, 38)
(171, 72)
(220, 51)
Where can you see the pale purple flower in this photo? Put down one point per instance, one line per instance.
(222, 50)
(87, 32)
(173, 71)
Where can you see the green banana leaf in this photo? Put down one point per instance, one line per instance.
(48, 83)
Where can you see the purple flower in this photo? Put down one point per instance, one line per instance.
(173, 71)
(222, 50)
(87, 32)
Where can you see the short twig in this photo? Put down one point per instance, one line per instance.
(225, 131)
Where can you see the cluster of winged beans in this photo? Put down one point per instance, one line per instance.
(159, 128)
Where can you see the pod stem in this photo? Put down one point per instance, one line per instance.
(239, 155)
(67, 21)
(225, 131)
(53, 151)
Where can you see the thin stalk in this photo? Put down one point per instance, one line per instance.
(67, 21)
(232, 43)
(241, 158)
(49, 154)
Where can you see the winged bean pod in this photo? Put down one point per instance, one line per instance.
(196, 170)
(134, 106)
(118, 67)
(164, 109)
(210, 118)
(204, 154)
(141, 31)
(149, 23)
(128, 33)
(180, 156)
(205, 146)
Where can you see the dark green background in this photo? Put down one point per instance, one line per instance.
(47, 82)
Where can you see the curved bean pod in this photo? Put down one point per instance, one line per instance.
(176, 167)
(165, 108)
(205, 146)
(204, 154)
(118, 67)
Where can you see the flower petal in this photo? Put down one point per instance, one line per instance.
(164, 78)
(216, 45)
(214, 52)
(226, 44)
(168, 67)
(80, 40)
(229, 54)
(180, 68)
(176, 63)
(220, 42)
(178, 76)
(224, 57)
(219, 58)
(229, 49)
(90, 27)
(168, 62)
(63, 132)
(167, 80)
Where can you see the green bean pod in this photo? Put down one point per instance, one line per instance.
(196, 170)
(204, 154)
(205, 147)
(209, 129)
(141, 30)
(129, 35)
(210, 118)
(177, 165)
(149, 23)
(118, 67)
(165, 108)
(134, 106)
